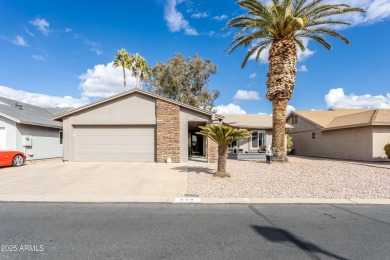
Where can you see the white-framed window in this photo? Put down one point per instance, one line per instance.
(61, 137)
(257, 139)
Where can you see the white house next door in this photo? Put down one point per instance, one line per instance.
(2, 138)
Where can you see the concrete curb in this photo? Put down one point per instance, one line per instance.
(187, 200)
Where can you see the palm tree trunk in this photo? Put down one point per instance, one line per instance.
(124, 78)
(281, 82)
(136, 80)
(279, 129)
(222, 162)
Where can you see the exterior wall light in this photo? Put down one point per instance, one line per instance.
(314, 135)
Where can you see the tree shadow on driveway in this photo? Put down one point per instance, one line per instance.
(194, 169)
(277, 235)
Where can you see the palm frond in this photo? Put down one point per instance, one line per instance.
(286, 19)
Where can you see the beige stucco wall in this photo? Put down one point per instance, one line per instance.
(381, 137)
(303, 125)
(134, 109)
(352, 143)
(187, 115)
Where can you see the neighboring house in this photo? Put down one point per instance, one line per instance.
(260, 126)
(29, 129)
(356, 134)
(136, 126)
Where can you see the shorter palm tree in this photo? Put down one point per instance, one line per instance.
(122, 58)
(223, 136)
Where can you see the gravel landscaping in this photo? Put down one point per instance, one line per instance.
(301, 177)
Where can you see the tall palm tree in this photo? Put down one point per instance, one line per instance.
(140, 69)
(223, 136)
(281, 27)
(122, 59)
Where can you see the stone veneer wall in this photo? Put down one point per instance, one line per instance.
(167, 131)
(212, 151)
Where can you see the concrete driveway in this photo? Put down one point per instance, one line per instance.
(93, 182)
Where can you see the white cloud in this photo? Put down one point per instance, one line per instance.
(221, 17)
(28, 32)
(303, 68)
(229, 109)
(200, 15)
(97, 51)
(41, 24)
(95, 46)
(38, 57)
(289, 109)
(253, 75)
(175, 19)
(42, 100)
(336, 98)
(104, 81)
(246, 95)
(20, 41)
(302, 55)
(376, 10)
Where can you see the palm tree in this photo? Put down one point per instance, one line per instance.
(223, 136)
(140, 68)
(122, 59)
(281, 27)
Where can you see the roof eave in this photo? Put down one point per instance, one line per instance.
(43, 125)
(346, 126)
(10, 118)
(98, 102)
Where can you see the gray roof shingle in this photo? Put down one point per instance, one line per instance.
(24, 113)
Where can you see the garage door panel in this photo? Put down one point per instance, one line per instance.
(116, 143)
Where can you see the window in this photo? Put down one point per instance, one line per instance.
(61, 137)
(234, 144)
(294, 119)
(257, 139)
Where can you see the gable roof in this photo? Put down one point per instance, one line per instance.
(24, 113)
(253, 121)
(323, 118)
(129, 92)
(346, 118)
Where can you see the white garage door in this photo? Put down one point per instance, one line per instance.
(114, 143)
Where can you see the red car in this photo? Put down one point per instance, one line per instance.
(12, 158)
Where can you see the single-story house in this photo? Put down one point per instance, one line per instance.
(136, 126)
(355, 134)
(30, 129)
(260, 126)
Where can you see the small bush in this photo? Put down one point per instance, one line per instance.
(290, 144)
(387, 150)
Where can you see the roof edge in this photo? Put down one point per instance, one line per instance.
(43, 125)
(347, 126)
(307, 119)
(122, 94)
(10, 118)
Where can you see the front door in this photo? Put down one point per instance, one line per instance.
(196, 144)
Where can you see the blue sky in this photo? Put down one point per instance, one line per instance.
(58, 53)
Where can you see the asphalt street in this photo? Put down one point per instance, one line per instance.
(193, 231)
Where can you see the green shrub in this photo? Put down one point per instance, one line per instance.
(290, 144)
(387, 150)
